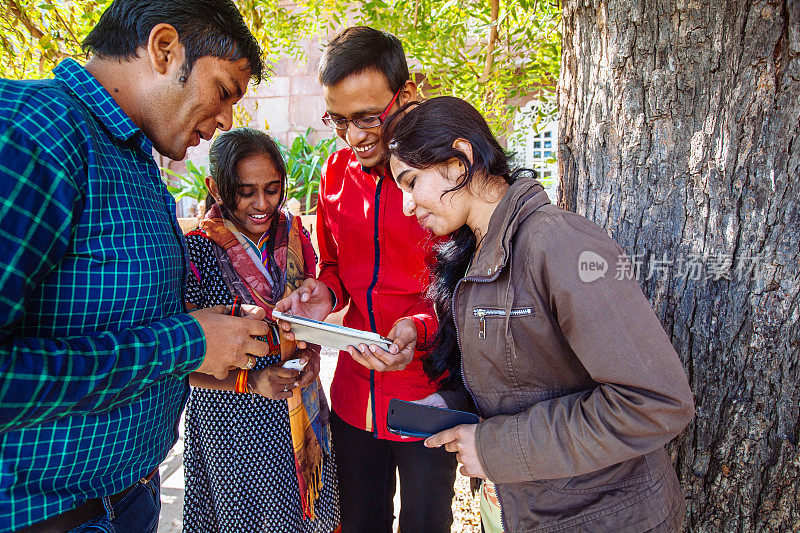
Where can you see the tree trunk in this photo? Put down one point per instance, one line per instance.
(680, 135)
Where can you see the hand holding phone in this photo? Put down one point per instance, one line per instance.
(415, 420)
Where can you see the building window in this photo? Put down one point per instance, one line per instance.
(535, 127)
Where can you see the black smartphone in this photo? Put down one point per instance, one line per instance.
(414, 420)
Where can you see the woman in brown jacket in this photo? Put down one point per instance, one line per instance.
(545, 333)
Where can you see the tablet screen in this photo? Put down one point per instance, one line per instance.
(331, 335)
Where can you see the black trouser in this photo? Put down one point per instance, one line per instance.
(366, 471)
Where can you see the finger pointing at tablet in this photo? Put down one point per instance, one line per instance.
(312, 300)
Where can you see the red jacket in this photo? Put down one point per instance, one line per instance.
(375, 258)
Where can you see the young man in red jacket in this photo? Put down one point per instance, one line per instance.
(374, 258)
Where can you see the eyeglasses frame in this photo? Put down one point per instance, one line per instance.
(381, 117)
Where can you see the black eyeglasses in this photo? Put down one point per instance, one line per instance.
(363, 123)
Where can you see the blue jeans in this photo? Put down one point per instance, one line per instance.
(137, 512)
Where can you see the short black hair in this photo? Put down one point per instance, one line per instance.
(360, 48)
(205, 28)
(233, 146)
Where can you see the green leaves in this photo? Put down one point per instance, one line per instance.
(38, 35)
(192, 185)
(304, 161)
(446, 41)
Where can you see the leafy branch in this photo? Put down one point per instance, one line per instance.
(492, 53)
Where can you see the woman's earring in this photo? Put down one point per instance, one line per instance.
(182, 79)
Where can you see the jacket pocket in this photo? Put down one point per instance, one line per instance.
(484, 313)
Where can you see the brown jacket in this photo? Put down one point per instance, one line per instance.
(578, 383)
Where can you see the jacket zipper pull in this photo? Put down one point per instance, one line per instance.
(482, 316)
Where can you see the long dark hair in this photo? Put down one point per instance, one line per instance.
(421, 135)
(225, 153)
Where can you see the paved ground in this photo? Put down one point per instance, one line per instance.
(172, 488)
(171, 519)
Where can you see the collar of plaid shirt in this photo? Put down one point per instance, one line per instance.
(101, 104)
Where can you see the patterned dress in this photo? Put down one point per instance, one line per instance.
(240, 473)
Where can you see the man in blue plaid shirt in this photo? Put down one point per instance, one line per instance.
(95, 341)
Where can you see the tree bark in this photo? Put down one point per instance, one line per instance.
(680, 135)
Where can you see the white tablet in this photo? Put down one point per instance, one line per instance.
(331, 335)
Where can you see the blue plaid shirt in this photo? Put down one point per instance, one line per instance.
(95, 344)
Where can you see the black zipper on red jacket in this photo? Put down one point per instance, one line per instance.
(370, 309)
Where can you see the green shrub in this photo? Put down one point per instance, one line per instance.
(304, 168)
(191, 186)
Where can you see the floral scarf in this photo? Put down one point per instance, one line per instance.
(281, 271)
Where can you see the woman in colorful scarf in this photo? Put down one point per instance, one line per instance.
(258, 454)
